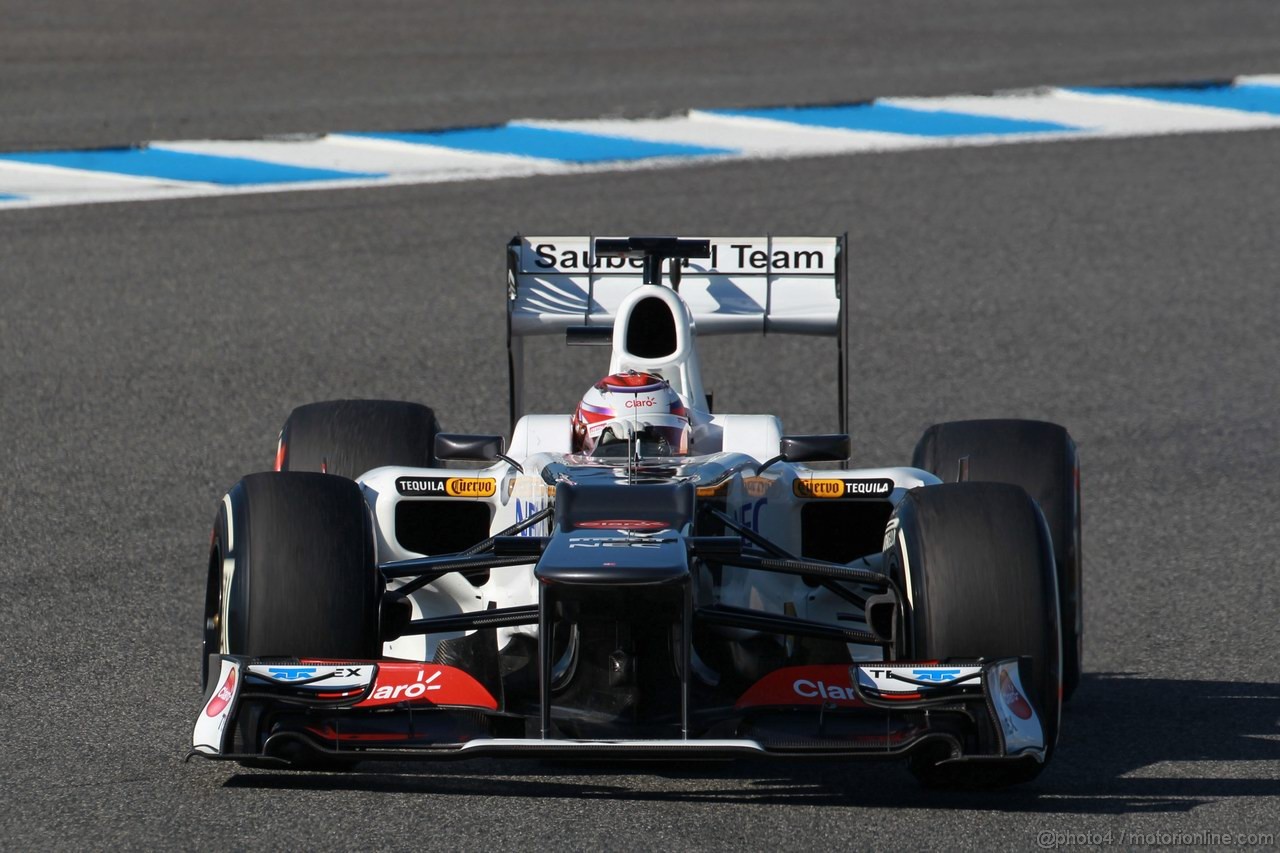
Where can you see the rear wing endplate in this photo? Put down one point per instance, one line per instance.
(763, 285)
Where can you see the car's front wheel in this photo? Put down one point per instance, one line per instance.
(292, 571)
(975, 561)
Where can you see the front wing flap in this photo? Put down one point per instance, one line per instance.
(288, 709)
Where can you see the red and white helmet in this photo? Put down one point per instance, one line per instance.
(626, 405)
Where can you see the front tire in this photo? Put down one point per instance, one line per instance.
(976, 561)
(292, 571)
(1041, 458)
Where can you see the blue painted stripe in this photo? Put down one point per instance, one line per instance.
(9, 197)
(569, 146)
(182, 166)
(1247, 97)
(892, 119)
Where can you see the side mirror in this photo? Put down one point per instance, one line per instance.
(458, 447)
(814, 448)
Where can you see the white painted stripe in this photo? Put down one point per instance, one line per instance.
(443, 156)
(92, 195)
(376, 157)
(749, 135)
(385, 162)
(25, 178)
(1097, 113)
(1177, 118)
(1259, 80)
(43, 186)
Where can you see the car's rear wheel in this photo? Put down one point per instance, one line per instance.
(350, 437)
(976, 562)
(292, 571)
(1042, 458)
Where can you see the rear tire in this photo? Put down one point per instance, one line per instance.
(977, 562)
(350, 437)
(292, 571)
(1042, 458)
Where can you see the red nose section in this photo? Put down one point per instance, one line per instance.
(623, 524)
(803, 685)
(429, 684)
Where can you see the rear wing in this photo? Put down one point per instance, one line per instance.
(763, 285)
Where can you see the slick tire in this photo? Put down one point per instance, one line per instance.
(1042, 458)
(976, 561)
(292, 571)
(350, 437)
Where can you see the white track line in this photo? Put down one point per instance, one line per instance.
(386, 162)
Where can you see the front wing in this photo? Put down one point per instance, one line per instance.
(290, 711)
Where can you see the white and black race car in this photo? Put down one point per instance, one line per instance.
(597, 586)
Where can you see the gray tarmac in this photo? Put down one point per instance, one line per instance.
(1125, 288)
(83, 73)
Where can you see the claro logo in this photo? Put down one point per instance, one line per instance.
(400, 683)
(223, 697)
(820, 689)
(412, 690)
(640, 403)
(1012, 698)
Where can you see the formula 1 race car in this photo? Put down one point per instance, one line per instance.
(645, 577)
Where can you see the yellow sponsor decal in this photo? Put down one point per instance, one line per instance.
(470, 487)
(819, 488)
(717, 491)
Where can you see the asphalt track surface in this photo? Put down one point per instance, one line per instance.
(149, 353)
(82, 73)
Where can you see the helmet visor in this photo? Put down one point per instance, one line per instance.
(654, 435)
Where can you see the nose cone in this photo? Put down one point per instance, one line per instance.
(596, 556)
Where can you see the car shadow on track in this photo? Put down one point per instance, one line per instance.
(1129, 745)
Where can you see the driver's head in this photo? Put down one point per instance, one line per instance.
(631, 405)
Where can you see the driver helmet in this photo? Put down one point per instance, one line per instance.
(631, 405)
